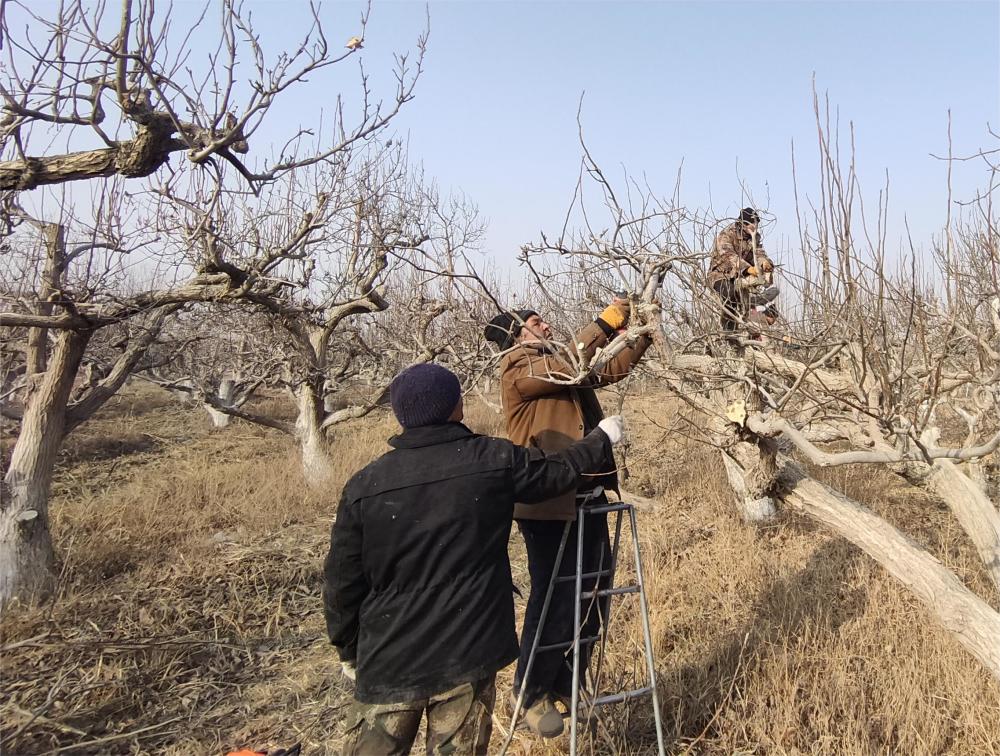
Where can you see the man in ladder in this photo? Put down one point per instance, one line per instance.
(551, 416)
(740, 272)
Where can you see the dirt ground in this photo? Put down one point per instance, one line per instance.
(188, 618)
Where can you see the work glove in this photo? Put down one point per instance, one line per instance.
(349, 670)
(751, 272)
(615, 314)
(613, 427)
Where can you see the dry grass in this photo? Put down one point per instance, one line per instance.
(188, 618)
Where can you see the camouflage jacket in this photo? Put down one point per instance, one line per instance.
(734, 252)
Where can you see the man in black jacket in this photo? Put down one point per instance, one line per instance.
(418, 585)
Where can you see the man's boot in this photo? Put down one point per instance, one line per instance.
(542, 717)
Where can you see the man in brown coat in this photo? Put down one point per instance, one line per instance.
(738, 258)
(550, 416)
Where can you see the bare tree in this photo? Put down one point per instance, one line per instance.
(70, 273)
(214, 355)
(875, 357)
(317, 278)
(133, 84)
(125, 261)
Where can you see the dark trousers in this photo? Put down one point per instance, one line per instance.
(552, 671)
(734, 303)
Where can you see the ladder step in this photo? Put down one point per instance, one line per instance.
(585, 576)
(622, 697)
(568, 644)
(609, 592)
(583, 498)
(620, 506)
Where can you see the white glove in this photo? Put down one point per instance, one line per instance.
(614, 427)
(349, 670)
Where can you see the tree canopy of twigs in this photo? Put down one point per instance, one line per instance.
(100, 99)
(884, 357)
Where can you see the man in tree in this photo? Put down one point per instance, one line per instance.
(551, 416)
(418, 589)
(738, 270)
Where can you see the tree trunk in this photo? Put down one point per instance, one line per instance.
(226, 394)
(968, 617)
(27, 561)
(308, 430)
(752, 508)
(750, 461)
(970, 505)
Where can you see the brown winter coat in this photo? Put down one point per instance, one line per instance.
(735, 250)
(550, 416)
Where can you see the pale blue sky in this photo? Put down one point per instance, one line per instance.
(722, 86)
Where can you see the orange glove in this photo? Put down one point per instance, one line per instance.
(615, 315)
(751, 271)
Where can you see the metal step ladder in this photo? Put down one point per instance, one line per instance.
(594, 502)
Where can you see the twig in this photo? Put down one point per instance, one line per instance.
(119, 736)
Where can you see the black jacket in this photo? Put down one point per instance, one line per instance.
(417, 582)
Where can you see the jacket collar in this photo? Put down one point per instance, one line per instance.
(429, 435)
(540, 347)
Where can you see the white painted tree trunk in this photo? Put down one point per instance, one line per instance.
(316, 465)
(330, 403)
(753, 509)
(974, 623)
(226, 394)
(976, 472)
(27, 561)
(750, 467)
(219, 419)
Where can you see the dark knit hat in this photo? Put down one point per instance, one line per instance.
(749, 215)
(505, 327)
(424, 394)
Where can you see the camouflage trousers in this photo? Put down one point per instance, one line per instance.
(459, 721)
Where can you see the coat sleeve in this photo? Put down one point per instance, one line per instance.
(761, 254)
(587, 341)
(596, 335)
(538, 476)
(621, 364)
(527, 374)
(344, 583)
(590, 338)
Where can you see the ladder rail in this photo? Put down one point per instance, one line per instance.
(519, 704)
(575, 698)
(647, 635)
(595, 595)
(606, 618)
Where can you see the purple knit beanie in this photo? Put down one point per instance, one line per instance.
(424, 394)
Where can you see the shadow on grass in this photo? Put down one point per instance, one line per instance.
(693, 697)
(84, 448)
